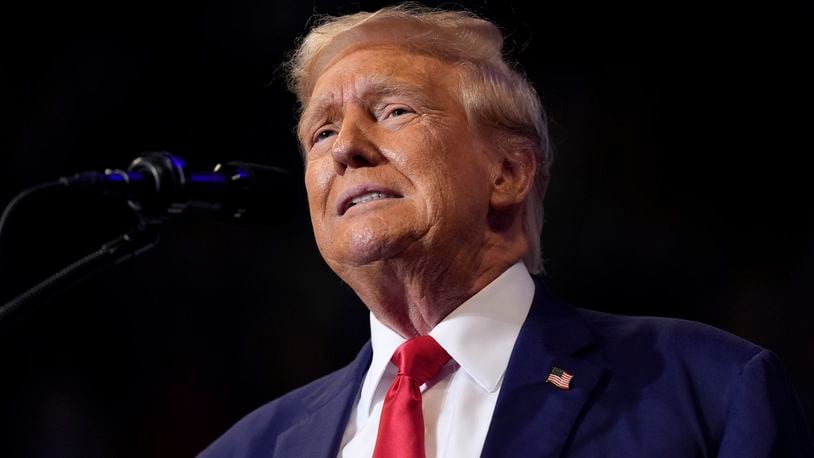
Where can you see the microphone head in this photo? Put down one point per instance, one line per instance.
(159, 186)
(156, 183)
(163, 186)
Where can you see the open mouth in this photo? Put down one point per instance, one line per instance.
(365, 197)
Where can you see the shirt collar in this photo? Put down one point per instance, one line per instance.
(496, 311)
(480, 333)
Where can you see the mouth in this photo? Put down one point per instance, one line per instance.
(363, 196)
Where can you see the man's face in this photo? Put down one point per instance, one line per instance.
(392, 167)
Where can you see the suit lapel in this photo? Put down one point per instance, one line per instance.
(319, 435)
(532, 417)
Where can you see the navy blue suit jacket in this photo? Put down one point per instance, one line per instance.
(641, 387)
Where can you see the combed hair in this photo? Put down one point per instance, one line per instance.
(495, 95)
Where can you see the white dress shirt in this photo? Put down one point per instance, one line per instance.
(459, 402)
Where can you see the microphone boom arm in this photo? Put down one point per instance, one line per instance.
(157, 187)
(123, 248)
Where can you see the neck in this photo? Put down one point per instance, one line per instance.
(411, 297)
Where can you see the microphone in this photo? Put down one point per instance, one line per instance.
(159, 185)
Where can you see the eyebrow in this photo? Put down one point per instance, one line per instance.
(377, 86)
(372, 87)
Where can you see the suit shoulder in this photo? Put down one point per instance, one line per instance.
(683, 339)
(698, 389)
(259, 430)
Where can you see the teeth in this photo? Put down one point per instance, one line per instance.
(368, 197)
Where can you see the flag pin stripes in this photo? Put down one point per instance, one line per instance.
(560, 378)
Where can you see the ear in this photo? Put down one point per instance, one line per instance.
(514, 179)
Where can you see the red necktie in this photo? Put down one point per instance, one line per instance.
(401, 428)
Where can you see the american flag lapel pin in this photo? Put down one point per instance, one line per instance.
(560, 378)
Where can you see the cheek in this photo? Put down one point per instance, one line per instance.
(459, 187)
(317, 181)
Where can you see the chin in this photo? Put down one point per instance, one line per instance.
(367, 246)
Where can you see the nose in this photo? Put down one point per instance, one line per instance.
(354, 147)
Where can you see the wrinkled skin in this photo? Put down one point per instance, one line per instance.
(382, 119)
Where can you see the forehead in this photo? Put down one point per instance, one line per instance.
(385, 60)
(381, 70)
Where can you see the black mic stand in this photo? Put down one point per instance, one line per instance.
(158, 167)
(157, 187)
(123, 248)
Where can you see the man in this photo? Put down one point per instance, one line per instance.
(427, 158)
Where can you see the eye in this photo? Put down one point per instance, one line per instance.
(397, 111)
(323, 134)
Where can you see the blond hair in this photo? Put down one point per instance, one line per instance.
(494, 94)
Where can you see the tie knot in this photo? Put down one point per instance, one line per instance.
(420, 358)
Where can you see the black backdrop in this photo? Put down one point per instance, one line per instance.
(681, 188)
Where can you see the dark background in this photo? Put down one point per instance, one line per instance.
(681, 188)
